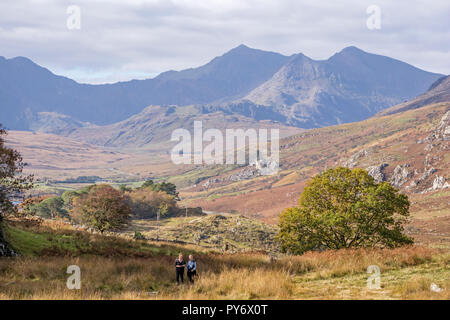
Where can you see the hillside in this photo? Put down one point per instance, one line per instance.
(438, 92)
(50, 156)
(152, 128)
(409, 149)
(231, 233)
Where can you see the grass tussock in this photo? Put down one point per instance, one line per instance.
(337, 263)
(238, 284)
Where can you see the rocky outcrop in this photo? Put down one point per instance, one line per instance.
(442, 131)
(5, 250)
(244, 174)
(438, 183)
(401, 175)
(422, 178)
(266, 167)
(377, 172)
(353, 160)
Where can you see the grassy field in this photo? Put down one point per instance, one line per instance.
(116, 268)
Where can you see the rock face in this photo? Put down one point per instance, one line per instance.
(442, 131)
(439, 183)
(312, 93)
(244, 174)
(266, 167)
(5, 251)
(353, 160)
(423, 177)
(377, 172)
(401, 175)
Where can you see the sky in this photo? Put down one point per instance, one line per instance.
(118, 40)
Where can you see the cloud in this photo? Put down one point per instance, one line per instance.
(120, 40)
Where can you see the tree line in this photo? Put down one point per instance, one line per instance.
(106, 208)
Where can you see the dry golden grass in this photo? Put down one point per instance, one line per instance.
(407, 273)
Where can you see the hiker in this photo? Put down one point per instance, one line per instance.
(179, 267)
(191, 268)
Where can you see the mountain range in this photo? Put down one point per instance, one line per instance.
(27, 88)
(295, 90)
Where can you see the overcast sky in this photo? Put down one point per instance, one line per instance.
(126, 39)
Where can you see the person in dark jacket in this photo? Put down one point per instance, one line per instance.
(179, 267)
(191, 268)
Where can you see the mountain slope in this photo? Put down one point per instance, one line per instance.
(408, 149)
(351, 85)
(152, 128)
(438, 92)
(26, 88)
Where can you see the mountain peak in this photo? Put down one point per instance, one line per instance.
(242, 48)
(351, 49)
(349, 52)
(22, 60)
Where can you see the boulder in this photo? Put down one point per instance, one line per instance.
(442, 131)
(353, 160)
(439, 183)
(401, 175)
(377, 172)
(5, 249)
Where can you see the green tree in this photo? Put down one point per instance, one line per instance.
(50, 208)
(12, 182)
(146, 203)
(103, 208)
(343, 208)
(147, 183)
(166, 187)
(68, 197)
(124, 188)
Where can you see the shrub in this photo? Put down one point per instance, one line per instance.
(103, 208)
(145, 203)
(166, 187)
(49, 208)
